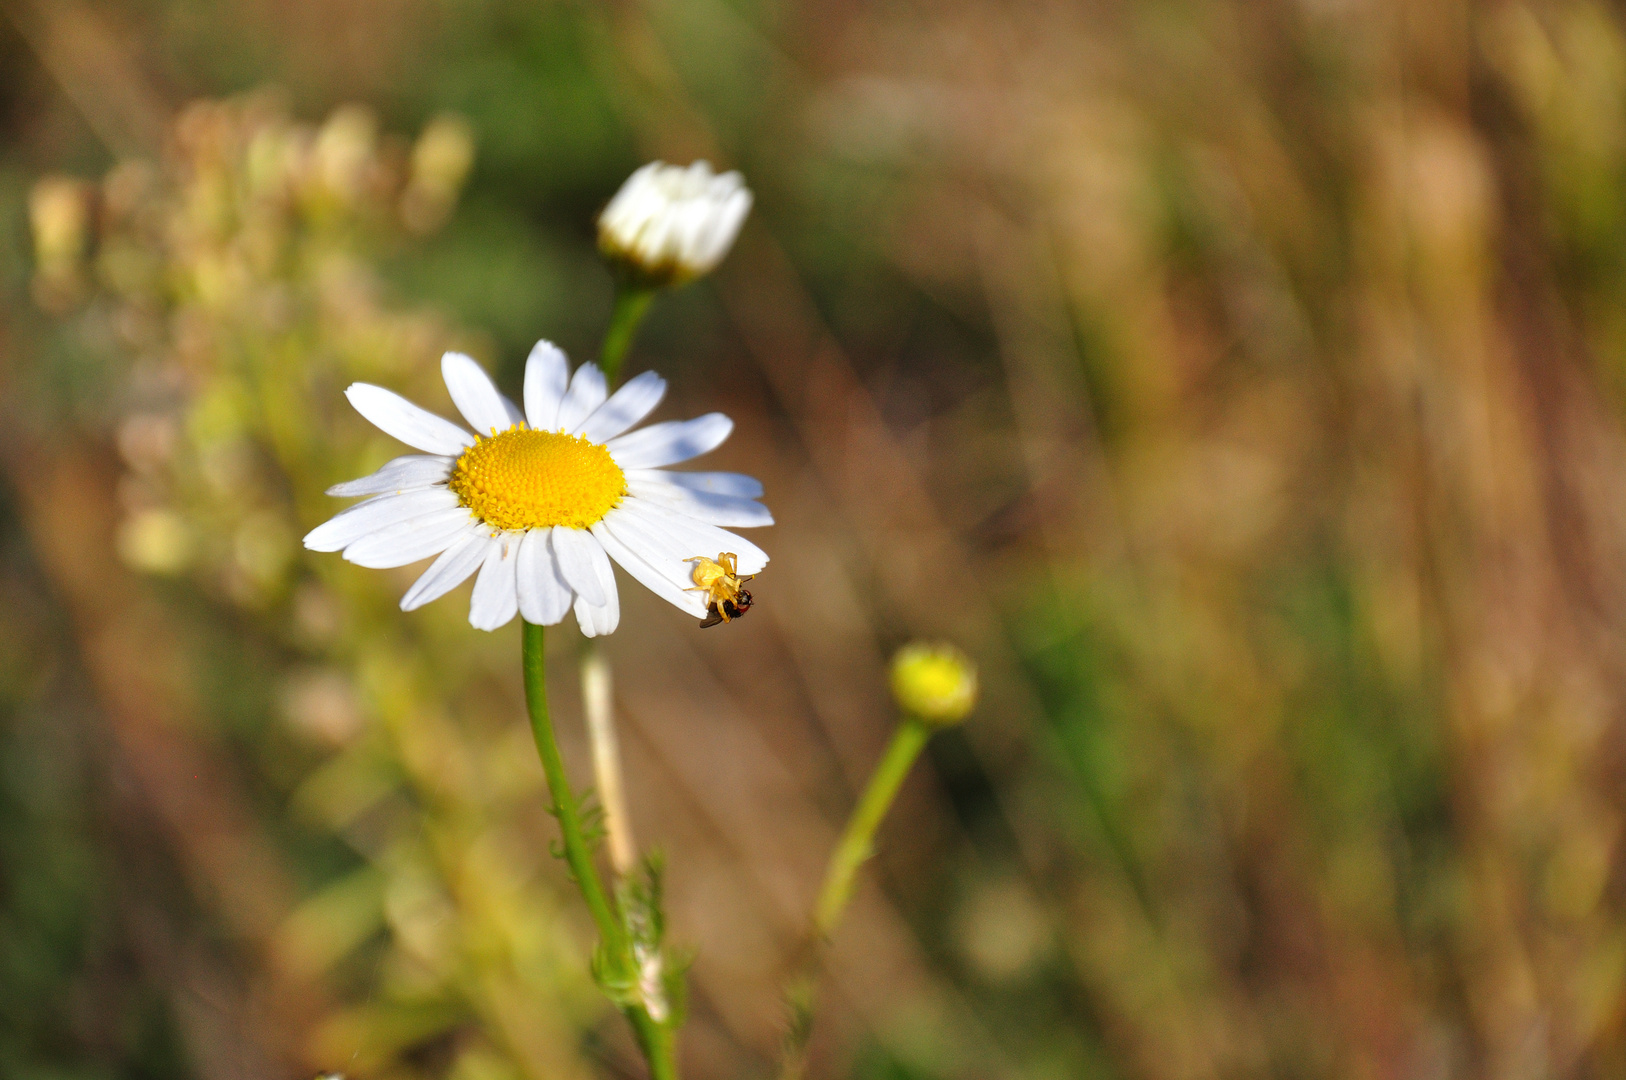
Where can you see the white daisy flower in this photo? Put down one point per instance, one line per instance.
(542, 501)
(669, 224)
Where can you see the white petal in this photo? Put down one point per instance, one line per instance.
(652, 543)
(585, 621)
(587, 392)
(722, 226)
(516, 415)
(688, 220)
(546, 372)
(348, 526)
(449, 571)
(496, 598)
(609, 616)
(587, 618)
(543, 595)
(578, 556)
(411, 471)
(627, 207)
(702, 505)
(664, 555)
(473, 393)
(606, 584)
(600, 618)
(661, 242)
(700, 538)
(645, 208)
(628, 405)
(408, 541)
(716, 483)
(692, 602)
(693, 181)
(395, 415)
(671, 442)
(597, 620)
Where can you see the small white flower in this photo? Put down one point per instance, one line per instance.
(669, 224)
(542, 501)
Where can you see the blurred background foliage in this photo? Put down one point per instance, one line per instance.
(1240, 381)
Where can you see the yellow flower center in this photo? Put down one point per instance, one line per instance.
(523, 479)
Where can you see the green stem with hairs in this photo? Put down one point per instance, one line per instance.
(617, 966)
(631, 304)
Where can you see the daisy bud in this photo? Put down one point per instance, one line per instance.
(937, 683)
(669, 224)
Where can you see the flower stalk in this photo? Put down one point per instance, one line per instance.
(856, 846)
(935, 686)
(858, 839)
(631, 305)
(615, 967)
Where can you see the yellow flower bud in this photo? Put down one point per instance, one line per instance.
(937, 683)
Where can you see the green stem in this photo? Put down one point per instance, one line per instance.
(577, 854)
(653, 1038)
(857, 842)
(631, 303)
(656, 1042)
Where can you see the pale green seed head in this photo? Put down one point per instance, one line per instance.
(936, 682)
